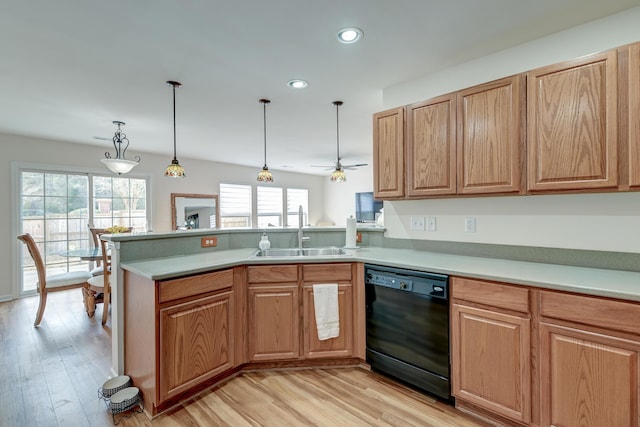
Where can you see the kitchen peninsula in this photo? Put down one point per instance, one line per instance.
(156, 289)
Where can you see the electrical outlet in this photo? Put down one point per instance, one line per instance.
(209, 242)
(470, 225)
(431, 223)
(417, 223)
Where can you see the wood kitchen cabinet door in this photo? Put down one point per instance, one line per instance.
(572, 125)
(491, 360)
(388, 154)
(342, 345)
(588, 379)
(431, 147)
(196, 342)
(274, 319)
(631, 120)
(490, 137)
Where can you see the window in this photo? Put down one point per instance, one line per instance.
(297, 197)
(119, 201)
(54, 207)
(235, 206)
(269, 207)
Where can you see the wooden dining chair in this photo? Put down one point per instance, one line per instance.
(99, 284)
(51, 283)
(95, 235)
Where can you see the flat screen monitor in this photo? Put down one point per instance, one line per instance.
(367, 207)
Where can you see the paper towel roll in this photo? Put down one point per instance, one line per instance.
(350, 236)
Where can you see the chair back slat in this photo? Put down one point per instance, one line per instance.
(37, 258)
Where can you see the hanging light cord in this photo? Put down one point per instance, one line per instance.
(337, 104)
(264, 114)
(264, 121)
(174, 121)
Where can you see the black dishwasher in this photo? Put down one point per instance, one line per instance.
(408, 327)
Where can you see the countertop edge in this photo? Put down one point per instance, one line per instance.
(591, 281)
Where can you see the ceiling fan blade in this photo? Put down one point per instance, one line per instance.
(356, 165)
(103, 138)
(323, 166)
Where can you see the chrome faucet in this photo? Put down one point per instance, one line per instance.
(301, 237)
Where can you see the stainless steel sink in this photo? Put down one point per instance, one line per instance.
(323, 251)
(305, 252)
(279, 252)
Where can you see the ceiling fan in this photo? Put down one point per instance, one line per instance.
(338, 168)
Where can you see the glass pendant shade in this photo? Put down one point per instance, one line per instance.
(265, 174)
(174, 170)
(338, 175)
(119, 164)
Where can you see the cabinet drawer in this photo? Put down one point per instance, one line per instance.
(594, 311)
(328, 272)
(272, 273)
(170, 290)
(499, 295)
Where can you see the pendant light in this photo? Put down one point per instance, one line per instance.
(119, 164)
(265, 174)
(338, 174)
(174, 170)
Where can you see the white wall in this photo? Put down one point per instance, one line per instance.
(608, 222)
(203, 177)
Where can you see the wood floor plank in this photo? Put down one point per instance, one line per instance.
(49, 376)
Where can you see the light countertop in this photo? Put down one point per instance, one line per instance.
(594, 281)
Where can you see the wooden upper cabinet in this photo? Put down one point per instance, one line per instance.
(630, 124)
(572, 124)
(388, 153)
(431, 147)
(491, 137)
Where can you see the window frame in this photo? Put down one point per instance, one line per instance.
(17, 168)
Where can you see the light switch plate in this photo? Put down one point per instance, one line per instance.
(417, 223)
(431, 223)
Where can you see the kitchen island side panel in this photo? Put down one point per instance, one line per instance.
(140, 335)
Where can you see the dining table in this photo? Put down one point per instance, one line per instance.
(86, 254)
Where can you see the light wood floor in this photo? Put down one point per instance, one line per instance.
(49, 376)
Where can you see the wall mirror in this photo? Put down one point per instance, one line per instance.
(194, 211)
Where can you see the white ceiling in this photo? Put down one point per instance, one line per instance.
(71, 67)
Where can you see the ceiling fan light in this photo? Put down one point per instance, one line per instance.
(174, 170)
(338, 175)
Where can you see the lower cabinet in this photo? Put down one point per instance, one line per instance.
(281, 313)
(273, 322)
(342, 345)
(491, 348)
(589, 365)
(548, 358)
(195, 342)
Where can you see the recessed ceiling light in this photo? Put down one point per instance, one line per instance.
(297, 84)
(349, 35)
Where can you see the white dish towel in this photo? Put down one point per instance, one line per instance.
(325, 302)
